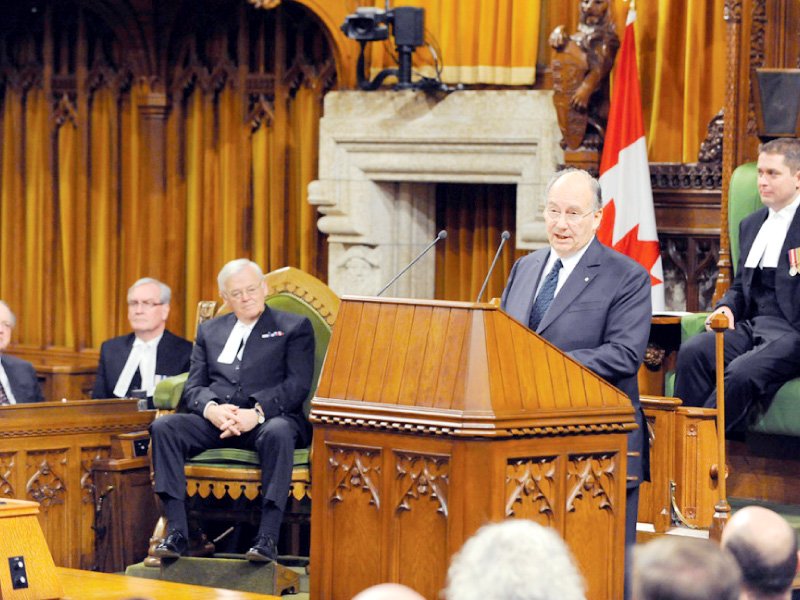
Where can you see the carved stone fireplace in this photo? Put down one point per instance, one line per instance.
(381, 154)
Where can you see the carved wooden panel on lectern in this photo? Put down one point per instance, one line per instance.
(531, 489)
(591, 513)
(354, 500)
(420, 506)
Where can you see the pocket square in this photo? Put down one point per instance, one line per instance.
(271, 334)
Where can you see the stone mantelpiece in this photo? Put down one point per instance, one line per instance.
(379, 153)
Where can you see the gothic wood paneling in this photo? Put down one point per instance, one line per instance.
(46, 452)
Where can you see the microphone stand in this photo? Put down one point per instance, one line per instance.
(440, 236)
(503, 239)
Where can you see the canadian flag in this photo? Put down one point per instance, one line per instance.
(629, 220)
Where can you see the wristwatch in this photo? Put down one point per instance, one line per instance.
(261, 417)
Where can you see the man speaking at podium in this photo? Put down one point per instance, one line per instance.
(590, 301)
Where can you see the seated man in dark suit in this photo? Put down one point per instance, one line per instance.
(762, 344)
(139, 360)
(591, 302)
(18, 383)
(251, 372)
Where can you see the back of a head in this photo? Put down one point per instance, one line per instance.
(765, 546)
(388, 591)
(514, 560)
(671, 568)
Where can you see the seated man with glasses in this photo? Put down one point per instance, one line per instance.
(251, 372)
(590, 301)
(139, 360)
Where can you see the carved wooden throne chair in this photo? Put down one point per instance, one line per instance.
(763, 461)
(231, 472)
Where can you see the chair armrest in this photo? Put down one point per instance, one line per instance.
(693, 324)
(168, 392)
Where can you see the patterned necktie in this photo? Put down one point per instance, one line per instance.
(545, 296)
(3, 398)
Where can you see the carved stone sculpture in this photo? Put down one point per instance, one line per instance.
(580, 66)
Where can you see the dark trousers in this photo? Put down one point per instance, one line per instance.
(177, 437)
(760, 356)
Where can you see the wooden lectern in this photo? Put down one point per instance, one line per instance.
(434, 418)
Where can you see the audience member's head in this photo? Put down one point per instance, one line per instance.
(765, 546)
(7, 323)
(516, 559)
(388, 591)
(148, 307)
(675, 568)
(242, 285)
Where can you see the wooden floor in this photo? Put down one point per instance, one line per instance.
(88, 585)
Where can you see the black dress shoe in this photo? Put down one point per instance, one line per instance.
(173, 546)
(263, 550)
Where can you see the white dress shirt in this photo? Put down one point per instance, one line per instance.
(766, 249)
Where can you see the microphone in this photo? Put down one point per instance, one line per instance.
(439, 236)
(503, 239)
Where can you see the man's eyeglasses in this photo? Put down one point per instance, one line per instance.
(571, 216)
(145, 304)
(239, 294)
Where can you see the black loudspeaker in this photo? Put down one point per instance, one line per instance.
(409, 26)
(776, 95)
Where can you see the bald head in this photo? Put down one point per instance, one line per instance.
(388, 591)
(765, 546)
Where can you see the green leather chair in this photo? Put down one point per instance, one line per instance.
(234, 472)
(782, 417)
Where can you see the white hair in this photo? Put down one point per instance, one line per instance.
(165, 293)
(514, 560)
(233, 267)
(11, 316)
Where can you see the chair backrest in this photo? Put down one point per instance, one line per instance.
(295, 291)
(743, 199)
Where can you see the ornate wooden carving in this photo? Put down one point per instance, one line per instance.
(88, 456)
(46, 485)
(682, 176)
(758, 35)
(711, 148)
(7, 465)
(733, 11)
(531, 489)
(591, 478)
(690, 269)
(356, 469)
(422, 476)
(581, 64)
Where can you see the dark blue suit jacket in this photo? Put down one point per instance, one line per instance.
(172, 358)
(600, 317)
(275, 371)
(22, 378)
(787, 288)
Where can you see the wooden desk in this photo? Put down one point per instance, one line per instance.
(61, 373)
(89, 585)
(46, 455)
